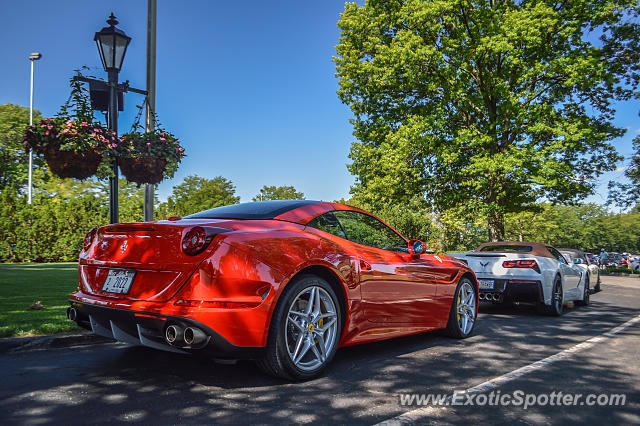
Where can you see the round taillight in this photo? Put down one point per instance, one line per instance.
(89, 238)
(195, 241)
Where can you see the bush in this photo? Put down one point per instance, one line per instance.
(621, 271)
(50, 229)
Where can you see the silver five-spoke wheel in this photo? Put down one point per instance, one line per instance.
(466, 307)
(311, 328)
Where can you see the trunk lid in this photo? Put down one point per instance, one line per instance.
(484, 264)
(152, 250)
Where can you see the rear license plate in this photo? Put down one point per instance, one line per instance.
(118, 281)
(485, 284)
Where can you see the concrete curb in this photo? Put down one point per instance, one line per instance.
(17, 344)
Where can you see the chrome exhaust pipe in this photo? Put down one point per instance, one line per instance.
(481, 296)
(194, 336)
(72, 314)
(496, 297)
(173, 334)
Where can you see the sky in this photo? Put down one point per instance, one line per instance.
(249, 87)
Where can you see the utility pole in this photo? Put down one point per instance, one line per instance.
(151, 96)
(33, 57)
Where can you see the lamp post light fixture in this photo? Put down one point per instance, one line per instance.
(33, 57)
(112, 45)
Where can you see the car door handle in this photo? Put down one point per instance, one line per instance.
(364, 265)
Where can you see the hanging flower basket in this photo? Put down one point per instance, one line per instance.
(148, 157)
(143, 169)
(72, 148)
(72, 164)
(73, 143)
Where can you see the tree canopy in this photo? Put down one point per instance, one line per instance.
(195, 194)
(628, 194)
(485, 106)
(14, 165)
(278, 193)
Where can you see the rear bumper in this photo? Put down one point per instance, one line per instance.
(148, 329)
(514, 290)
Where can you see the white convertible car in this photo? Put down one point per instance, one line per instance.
(524, 272)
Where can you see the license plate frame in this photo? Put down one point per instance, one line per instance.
(118, 281)
(486, 284)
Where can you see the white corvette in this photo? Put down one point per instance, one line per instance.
(528, 273)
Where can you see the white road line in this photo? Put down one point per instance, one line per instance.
(419, 414)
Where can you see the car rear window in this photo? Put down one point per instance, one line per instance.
(510, 248)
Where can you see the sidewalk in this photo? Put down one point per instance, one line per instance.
(15, 344)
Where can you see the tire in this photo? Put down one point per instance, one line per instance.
(463, 312)
(585, 294)
(557, 300)
(303, 339)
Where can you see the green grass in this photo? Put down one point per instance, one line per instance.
(23, 284)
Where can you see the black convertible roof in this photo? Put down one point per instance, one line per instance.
(258, 210)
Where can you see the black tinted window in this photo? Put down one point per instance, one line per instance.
(556, 254)
(328, 223)
(369, 231)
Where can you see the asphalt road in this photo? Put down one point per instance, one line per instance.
(118, 383)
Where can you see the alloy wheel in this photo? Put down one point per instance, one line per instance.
(466, 307)
(311, 328)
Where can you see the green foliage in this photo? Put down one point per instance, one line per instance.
(628, 195)
(13, 160)
(195, 194)
(587, 227)
(485, 107)
(278, 193)
(63, 210)
(22, 285)
(621, 271)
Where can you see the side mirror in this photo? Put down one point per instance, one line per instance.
(416, 247)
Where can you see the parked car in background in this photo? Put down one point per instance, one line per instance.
(614, 260)
(580, 259)
(593, 258)
(634, 262)
(285, 283)
(527, 272)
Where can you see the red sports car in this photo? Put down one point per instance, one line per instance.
(283, 282)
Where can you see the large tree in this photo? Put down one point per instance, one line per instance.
(195, 194)
(628, 194)
(278, 193)
(484, 106)
(14, 164)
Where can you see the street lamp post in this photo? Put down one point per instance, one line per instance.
(33, 57)
(112, 44)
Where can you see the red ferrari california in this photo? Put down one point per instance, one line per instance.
(283, 282)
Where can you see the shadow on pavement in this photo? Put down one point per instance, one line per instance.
(117, 383)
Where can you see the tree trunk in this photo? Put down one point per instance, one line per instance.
(496, 226)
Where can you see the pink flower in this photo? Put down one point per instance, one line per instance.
(46, 133)
(161, 139)
(114, 145)
(148, 143)
(84, 124)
